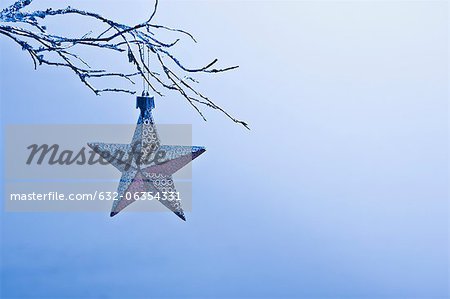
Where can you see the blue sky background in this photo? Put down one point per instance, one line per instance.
(340, 190)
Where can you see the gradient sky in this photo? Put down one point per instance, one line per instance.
(340, 190)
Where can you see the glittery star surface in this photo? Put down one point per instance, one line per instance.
(145, 164)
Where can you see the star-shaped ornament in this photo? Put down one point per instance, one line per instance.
(145, 164)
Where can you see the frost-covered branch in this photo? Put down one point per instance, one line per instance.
(25, 29)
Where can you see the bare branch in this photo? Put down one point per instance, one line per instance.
(136, 40)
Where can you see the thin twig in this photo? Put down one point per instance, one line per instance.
(134, 40)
